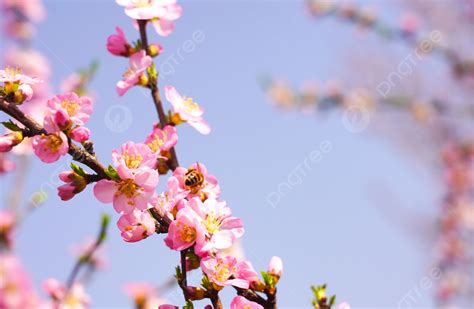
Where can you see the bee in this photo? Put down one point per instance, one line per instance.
(193, 179)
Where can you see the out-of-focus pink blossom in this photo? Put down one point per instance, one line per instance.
(143, 295)
(71, 83)
(98, 258)
(138, 63)
(136, 225)
(240, 302)
(343, 306)
(146, 9)
(409, 23)
(161, 140)
(16, 290)
(75, 297)
(6, 165)
(188, 110)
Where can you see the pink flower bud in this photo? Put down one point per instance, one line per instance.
(117, 43)
(10, 140)
(61, 118)
(80, 134)
(275, 267)
(74, 183)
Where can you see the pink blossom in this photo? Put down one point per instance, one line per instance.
(71, 83)
(75, 297)
(161, 140)
(129, 193)
(143, 294)
(138, 63)
(32, 62)
(77, 108)
(50, 147)
(240, 302)
(133, 157)
(168, 203)
(409, 23)
(10, 140)
(221, 270)
(187, 109)
(164, 25)
(6, 165)
(275, 267)
(117, 44)
(80, 134)
(98, 259)
(17, 84)
(209, 188)
(183, 231)
(32, 10)
(74, 184)
(136, 225)
(343, 306)
(220, 228)
(145, 9)
(10, 75)
(16, 290)
(168, 306)
(247, 272)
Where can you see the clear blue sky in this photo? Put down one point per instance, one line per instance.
(339, 226)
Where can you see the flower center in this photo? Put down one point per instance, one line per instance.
(11, 73)
(212, 223)
(70, 107)
(157, 142)
(133, 161)
(129, 188)
(187, 233)
(223, 271)
(54, 142)
(190, 106)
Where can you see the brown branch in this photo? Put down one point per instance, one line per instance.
(33, 128)
(155, 93)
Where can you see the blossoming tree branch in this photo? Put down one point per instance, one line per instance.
(196, 221)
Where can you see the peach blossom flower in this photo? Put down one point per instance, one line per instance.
(138, 63)
(188, 110)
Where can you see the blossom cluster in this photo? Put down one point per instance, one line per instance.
(456, 221)
(407, 30)
(190, 211)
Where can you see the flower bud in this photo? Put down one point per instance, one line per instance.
(275, 267)
(154, 50)
(143, 80)
(10, 140)
(74, 183)
(61, 118)
(80, 134)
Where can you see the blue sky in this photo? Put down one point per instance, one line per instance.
(353, 219)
